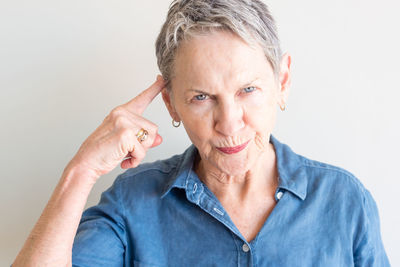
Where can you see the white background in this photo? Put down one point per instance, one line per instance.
(65, 64)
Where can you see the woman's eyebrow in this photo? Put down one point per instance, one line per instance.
(204, 92)
(250, 83)
(197, 91)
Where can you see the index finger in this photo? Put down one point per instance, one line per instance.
(140, 102)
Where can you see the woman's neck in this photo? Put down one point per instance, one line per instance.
(259, 180)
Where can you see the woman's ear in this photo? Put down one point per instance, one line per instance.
(167, 97)
(284, 78)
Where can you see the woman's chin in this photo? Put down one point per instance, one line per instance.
(233, 165)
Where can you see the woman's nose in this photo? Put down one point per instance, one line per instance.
(229, 119)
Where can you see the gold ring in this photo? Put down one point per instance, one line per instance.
(142, 135)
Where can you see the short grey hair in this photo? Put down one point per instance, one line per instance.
(248, 19)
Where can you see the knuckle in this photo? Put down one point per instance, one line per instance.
(126, 143)
(126, 134)
(116, 112)
(119, 121)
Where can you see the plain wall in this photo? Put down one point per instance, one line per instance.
(65, 64)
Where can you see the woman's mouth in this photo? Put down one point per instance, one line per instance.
(232, 150)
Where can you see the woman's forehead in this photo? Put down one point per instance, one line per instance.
(217, 57)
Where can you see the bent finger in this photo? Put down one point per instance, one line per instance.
(135, 157)
(157, 141)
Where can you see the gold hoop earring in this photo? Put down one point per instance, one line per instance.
(283, 107)
(176, 124)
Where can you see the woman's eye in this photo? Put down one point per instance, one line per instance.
(200, 97)
(249, 89)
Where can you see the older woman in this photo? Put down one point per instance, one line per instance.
(237, 196)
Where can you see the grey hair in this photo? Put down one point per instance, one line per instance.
(248, 19)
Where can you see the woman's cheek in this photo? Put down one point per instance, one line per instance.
(197, 115)
(261, 113)
(261, 141)
(261, 99)
(199, 107)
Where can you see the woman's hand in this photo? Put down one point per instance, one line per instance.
(116, 138)
(50, 241)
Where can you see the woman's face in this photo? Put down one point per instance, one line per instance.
(226, 95)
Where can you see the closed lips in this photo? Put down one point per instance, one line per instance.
(231, 150)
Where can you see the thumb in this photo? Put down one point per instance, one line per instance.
(158, 140)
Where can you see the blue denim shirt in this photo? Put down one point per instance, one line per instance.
(161, 214)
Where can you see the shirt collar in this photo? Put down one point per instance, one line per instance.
(183, 170)
(291, 171)
(292, 175)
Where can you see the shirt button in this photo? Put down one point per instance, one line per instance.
(195, 188)
(279, 195)
(245, 248)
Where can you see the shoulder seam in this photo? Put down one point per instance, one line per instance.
(348, 174)
(330, 167)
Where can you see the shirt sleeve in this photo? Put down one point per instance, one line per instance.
(369, 251)
(100, 239)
